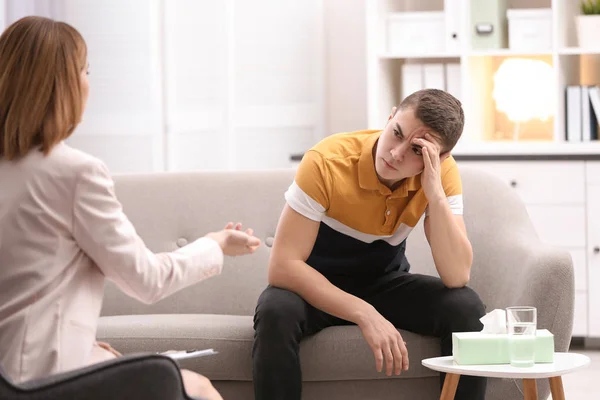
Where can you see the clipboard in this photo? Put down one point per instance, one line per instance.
(185, 354)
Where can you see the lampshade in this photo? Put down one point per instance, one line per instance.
(523, 89)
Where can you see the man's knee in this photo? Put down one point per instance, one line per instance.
(463, 308)
(280, 311)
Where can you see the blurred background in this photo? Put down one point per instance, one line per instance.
(181, 85)
(213, 85)
(250, 84)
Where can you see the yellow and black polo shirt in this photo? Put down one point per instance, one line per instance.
(364, 225)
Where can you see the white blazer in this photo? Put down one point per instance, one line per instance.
(62, 232)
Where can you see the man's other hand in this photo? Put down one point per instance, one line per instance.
(386, 343)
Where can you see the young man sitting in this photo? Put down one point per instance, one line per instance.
(339, 252)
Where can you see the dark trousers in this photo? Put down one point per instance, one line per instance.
(413, 302)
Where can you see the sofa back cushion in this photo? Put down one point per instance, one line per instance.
(170, 209)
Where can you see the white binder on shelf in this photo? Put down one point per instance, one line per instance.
(586, 122)
(433, 76)
(573, 114)
(412, 79)
(453, 80)
(594, 94)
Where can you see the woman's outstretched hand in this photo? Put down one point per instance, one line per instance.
(234, 241)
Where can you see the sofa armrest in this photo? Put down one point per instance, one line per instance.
(549, 285)
(148, 376)
(527, 272)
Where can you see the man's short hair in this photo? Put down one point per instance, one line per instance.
(439, 111)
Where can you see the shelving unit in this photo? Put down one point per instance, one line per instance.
(571, 65)
(577, 51)
(561, 188)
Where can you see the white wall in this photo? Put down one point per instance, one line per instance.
(344, 106)
(197, 84)
(346, 67)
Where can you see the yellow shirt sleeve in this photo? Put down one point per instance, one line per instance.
(452, 185)
(310, 192)
(451, 177)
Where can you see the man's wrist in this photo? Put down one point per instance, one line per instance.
(437, 205)
(438, 198)
(362, 314)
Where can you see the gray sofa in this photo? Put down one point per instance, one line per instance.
(511, 267)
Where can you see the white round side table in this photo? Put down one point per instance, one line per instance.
(563, 364)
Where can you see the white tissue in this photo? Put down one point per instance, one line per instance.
(494, 322)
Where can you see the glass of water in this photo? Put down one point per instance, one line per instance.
(522, 324)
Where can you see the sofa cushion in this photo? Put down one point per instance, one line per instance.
(336, 353)
(170, 210)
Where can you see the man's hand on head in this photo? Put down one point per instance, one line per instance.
(431, 178)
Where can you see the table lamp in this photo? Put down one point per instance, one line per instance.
(523, 90)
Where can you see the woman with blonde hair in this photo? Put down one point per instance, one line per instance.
(62, 229)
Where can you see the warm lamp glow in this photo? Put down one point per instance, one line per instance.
(523, 90)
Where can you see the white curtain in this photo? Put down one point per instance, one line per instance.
(196, 84)
(16, 9)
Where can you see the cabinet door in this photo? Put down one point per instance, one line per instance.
(539, 182)
(592, 172)
(580, 315)
(557, 225)
(593, 252)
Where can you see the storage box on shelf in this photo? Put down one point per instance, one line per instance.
(530, 29)
(415, 32)
(487, 24)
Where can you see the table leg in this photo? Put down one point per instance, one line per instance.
(556, 387)
(530, 389)
(450, 384)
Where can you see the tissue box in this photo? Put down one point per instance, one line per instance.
(471, 348)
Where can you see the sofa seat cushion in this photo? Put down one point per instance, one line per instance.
(336, 353)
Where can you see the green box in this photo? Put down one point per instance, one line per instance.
(489, 24)
(472, 348)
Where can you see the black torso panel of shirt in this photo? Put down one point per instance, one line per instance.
(350, 263)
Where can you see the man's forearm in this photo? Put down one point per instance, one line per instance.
(313, 287)
(450, 246)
